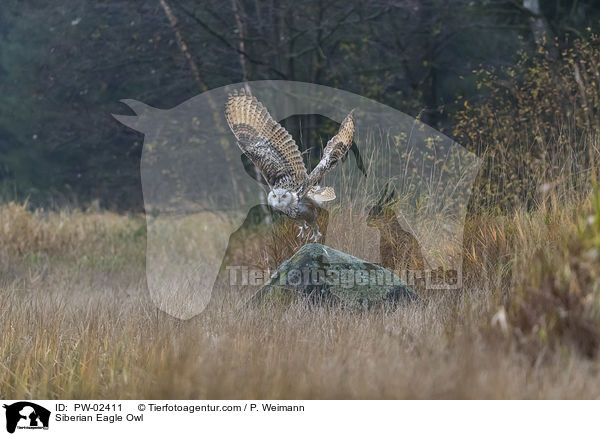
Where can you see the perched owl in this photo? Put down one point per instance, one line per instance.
(272, 149)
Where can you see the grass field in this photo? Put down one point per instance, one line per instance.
(77, 322)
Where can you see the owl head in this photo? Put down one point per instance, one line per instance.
(281, 199)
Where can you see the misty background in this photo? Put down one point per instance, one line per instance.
(64, 66)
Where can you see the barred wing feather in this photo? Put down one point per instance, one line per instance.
(336, 148)
(266, 143)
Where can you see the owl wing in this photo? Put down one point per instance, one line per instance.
(266, 143)
(336, 148)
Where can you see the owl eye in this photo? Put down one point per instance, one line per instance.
(284, 195)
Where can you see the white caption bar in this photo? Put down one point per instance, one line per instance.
(21, 417)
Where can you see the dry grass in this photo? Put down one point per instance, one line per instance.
(77, 321)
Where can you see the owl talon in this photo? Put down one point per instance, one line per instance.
(304, 230)
(316, 234)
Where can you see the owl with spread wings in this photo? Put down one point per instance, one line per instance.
(274, 152)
